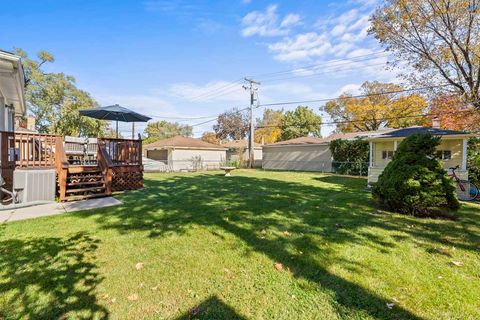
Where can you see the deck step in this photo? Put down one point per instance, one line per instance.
(74, 184)
(98, 188)
(83, 170)
(82, 197)
(97, 176)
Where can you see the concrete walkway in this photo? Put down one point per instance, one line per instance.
(54, 208)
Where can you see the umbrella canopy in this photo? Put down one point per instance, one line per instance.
(115, 113)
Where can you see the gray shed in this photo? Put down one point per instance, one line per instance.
(301, 154)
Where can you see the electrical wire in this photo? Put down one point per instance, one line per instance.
(382, 119)
(350, 97)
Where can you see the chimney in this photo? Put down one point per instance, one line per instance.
(436, 122)
(31, 123)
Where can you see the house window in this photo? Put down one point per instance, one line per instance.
(444, 154)
(387, 155)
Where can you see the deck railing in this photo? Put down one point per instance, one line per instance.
(28, 150)
(120, 160)
(123, 152)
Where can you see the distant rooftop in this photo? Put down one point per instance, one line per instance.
(236, 144)
(299, 141)
(183, 142)
(405, 132)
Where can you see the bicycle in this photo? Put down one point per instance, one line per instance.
(466, 190)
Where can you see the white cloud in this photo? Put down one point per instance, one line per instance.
(266, 23)
(351, 88)
(300, 47)
(290, 20)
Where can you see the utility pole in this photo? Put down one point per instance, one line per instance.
(251, 86)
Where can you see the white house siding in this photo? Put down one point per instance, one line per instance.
(455, 145)
(298, 158)
(183, 159)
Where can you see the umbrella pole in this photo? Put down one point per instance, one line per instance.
(117, 129)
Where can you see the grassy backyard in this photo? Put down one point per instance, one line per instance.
(205, 246)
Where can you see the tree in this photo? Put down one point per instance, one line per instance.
(414, 182)
(269, 130)
(438, 38)
(350, 156)
(300, 123)
(54, 100)
(473, 160)
(455, 114)
(162, 129)
(210, 137)
(377, 109)
(232, 125)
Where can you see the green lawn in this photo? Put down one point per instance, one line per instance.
(204, 246)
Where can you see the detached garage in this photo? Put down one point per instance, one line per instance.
(301, 154)
(186, 154)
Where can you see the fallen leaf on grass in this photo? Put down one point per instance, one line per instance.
(133, 297)
(194, 311)
(278, 266)
(113, 300)
(390, 305)
(264, 231)
(286, 233)
(154, 288)
(139, 266)
(457, 263)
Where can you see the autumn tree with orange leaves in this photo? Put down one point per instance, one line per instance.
(454, 114)
(378, 108)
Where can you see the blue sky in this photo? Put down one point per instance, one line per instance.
(181, 58)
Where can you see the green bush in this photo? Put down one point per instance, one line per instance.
(473, 160)
(350, 156)
(414, 182)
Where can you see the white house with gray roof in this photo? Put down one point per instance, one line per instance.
(452, 150)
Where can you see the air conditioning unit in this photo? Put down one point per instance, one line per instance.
(35, 185)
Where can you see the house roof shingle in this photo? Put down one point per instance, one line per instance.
(299, 141)
(356, 135)
(183, 142)
(405, 132)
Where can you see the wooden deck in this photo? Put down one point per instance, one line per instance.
(118, 164)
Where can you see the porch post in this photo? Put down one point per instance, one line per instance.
(370, 159)
(394, 145)
(464, 155)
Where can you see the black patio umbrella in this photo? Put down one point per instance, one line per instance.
(115, 113)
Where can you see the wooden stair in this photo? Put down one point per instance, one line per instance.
(84, 182)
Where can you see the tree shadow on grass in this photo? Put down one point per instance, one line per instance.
(248, 206)
(49, 278)
(212, 308)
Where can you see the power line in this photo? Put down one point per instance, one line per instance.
(350, 97)
(326, 64)
(337, 71)
(230, 87)
(236, 111)
(180, 118)
(382, 119)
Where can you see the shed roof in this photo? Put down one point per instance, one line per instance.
(299, 141)
(356, 135)
(235, 144)
(182, 142)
